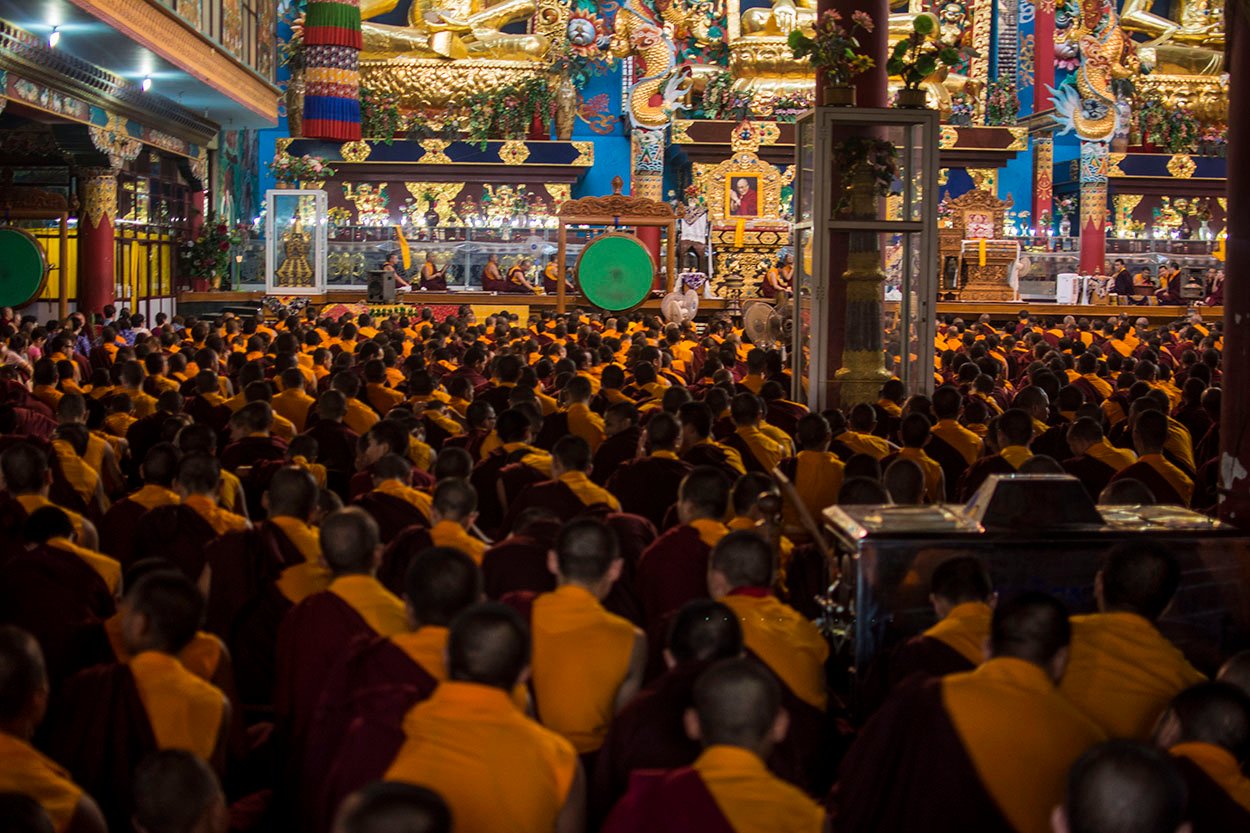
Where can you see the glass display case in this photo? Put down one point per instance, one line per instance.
(866, 181)
(295, 242)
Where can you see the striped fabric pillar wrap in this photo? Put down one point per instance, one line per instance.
(332, 42)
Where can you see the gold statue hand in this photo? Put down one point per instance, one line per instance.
(785, 15)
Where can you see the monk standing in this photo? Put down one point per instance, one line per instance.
(498, 770)
(738, 718)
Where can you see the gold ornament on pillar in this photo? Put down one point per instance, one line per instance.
(115, 142)
(97, 192)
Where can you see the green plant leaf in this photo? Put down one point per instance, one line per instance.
(926, 65)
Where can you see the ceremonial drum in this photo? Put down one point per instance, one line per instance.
(615, 272)
(23, 268)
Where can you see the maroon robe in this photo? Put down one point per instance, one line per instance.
(1093, 474)
(953, 464)
(393, 514)
(399, 554)
(980, 472)
(55, 596)
(552, 496)
(251, 450)
(923, 655)
(358, 727)
(909, 772)
(145, 433)
(785, 415)
(118, 529)
(1211, 808)
(1053, 443)
(1087, 387)
(519, 562)
(98, 729)
(361, 482)
(175, 533)
(216, 417)
(336, 450)
(710, 455)
(554, 427)
(470, 442)
(671, 572)
(1159, 486)
(614, 452)
(648, 486)
(667, 802)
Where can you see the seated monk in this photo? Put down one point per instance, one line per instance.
(56, 590)
(551, 280)
(515, 432)
(150, 429)
(158, 470)
(738, 718)
(697, 446)
(740, 576)
(587, 662)
(492, 277)
(392, 806)
(207, 406)
(815, 471)
(432, 278)
(760, 450)
(497, 769)
(100, 455)
(673, 570)
(358, 727)
(578, 418)
(1094, 461)
(1206, 729)
(1168, 483)
(855, 435)
(179, 532)
(200, 439)
(649, 733)
(1119, 785)
(262, 392)
(251, 438)
(28, 480)
(393, 504)
(107, 718)
(380, 395)
(988, 749)
(518, 279)
(570, 492)
(953, 446)
(293, 403)
(963, 599)
(915, 434)
(621, 439)
(389, 436)
(453, 512)
(175, 792)
(648, 486)
(480, 417)
(1014, 431)
(1122, 672)
(24, 770)
(336, 441)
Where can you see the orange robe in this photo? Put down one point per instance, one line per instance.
(25, 771)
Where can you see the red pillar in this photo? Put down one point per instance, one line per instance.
(649, 236)
(1235, 416)
(870, 91)
(97, 199)
(1043, 79)
(198, 215)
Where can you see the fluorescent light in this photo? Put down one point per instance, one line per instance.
(55, 37)
(147, 83)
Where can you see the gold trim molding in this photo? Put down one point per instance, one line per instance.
(1182, 166)
(357, 151)
(98, 192)
(434, 152)
(514, 152)
(585, 153)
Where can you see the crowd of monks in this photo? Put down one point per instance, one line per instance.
(416, 576)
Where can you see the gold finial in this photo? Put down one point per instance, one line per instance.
(617, 184)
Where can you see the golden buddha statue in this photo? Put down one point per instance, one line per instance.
(295, 270)
(453, 29)
(1191, 43)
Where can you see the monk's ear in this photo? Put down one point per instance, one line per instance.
(614, 571)
(781, 726)
(670, 661)
(1059, 819)
(553, 563)
(690, 720)
(1098, 589)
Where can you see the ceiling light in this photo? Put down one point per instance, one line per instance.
(147, 83)
(55, 37)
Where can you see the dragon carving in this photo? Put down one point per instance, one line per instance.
(1088, 107)
(642, 29)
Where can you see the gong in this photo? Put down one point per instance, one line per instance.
(23, 268)
(615, 272)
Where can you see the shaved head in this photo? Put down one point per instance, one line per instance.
(393, 807)
(22, 672)
(349, 541)
(737, 701)
(1031, 626)
(23, 814)
(160, 465)
(489, 645)
(441, 582)
(704, 631)
(585, 550)
(1215, 713)
(745, 559)
(171, 607)
(293, 492)
(1124, 787)
(1236, 671)
(177, 792)
(25, 469)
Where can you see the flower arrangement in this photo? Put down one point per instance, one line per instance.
(920, 53)
(722, 101)
(505, 112)
(1066, 205)
(786, 109)
(1002, 105)
(207, 257)
(858, 155)
(291, 49)
(380, 118)
(1169, 129)
(834, 46)
(306, 168)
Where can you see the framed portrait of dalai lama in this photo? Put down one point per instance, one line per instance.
(742, 194)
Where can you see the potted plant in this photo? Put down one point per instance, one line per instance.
(834, 48)
(1065, 207)
(919, 55)
(206, 259)
(1002, 105)
(288, 170)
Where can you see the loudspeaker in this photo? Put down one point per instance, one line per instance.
(381, 287)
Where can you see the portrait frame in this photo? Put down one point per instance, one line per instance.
(755, 180)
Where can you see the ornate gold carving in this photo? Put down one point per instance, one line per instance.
(434, 154)
(281, 145)
(982, 19)
(948, 137)
(1223, 201)
(616, 205)
(160, 30)
(97, 192)
(559, 193)
(680, 134)
(984, 179)
(1113, 164)
(745, 162)
(357, 151)
(585, 153)
(1124, 205)
(444, 194)
(113, 141)
(514, 152)
(1019, 138)
(1205, 96)
(199, 166)
(427, 83)
(1182, 166)
(31, 199)
(769, 133)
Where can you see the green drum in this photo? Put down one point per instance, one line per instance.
(615, 272)
(23, 268)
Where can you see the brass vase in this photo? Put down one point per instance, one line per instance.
(839, 95)
(295, 104)
(566, 109)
